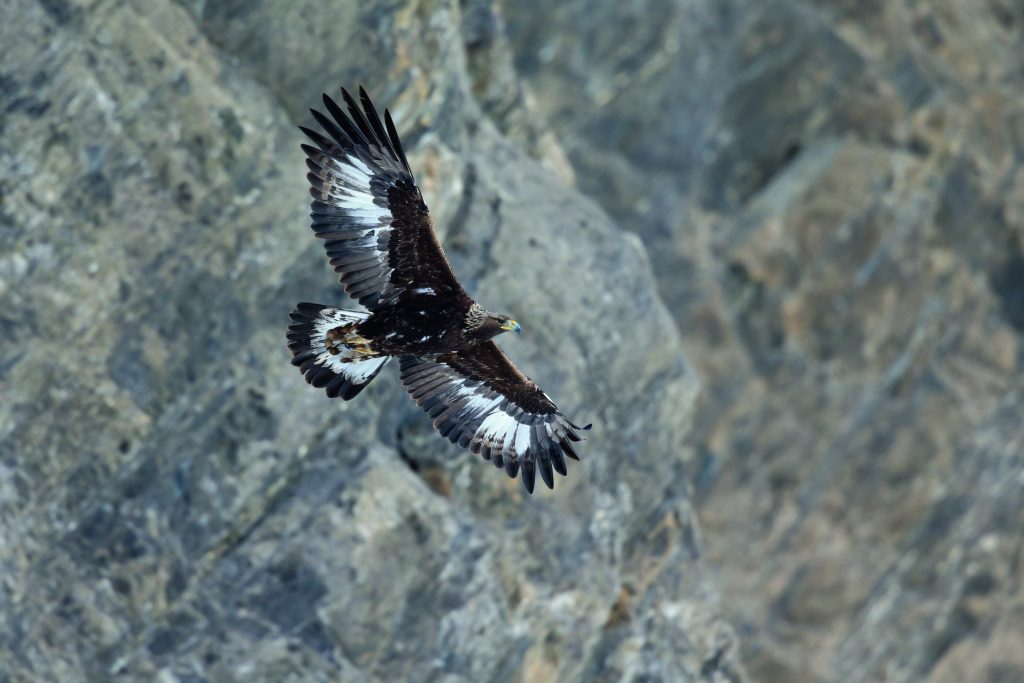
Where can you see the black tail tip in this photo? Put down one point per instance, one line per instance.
(305, 310)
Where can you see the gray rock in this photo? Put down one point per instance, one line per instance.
(177, 505)
(830, 193)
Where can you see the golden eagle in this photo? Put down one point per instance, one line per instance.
(378, 235)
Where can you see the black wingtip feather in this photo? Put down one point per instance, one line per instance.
(324, 147)
(340, 136)
(396, 142)
(529, 475)
(546, 474)
(573, 425)
(557, 461)
(357, 117)
(374, 120)
(511, 467)
(312, 135)
(354, 135)
(568, 449)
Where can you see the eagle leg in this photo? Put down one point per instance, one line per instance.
(356, 340)
(348, 337)
(363, 351)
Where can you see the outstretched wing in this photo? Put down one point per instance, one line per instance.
(481, 401)
(367, 208)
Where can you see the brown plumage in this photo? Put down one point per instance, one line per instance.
(380, 240)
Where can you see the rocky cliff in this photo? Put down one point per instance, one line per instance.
(831, 195)
(773, 250)
(177, 505)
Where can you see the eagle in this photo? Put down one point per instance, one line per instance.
(379, 238)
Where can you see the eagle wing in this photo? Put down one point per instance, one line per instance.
(480, 400)
(367, 208)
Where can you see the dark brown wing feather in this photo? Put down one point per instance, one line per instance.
(479, 399)
(367, 209)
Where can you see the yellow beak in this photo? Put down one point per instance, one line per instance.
(512, 326)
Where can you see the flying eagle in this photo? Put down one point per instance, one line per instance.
(378, 235)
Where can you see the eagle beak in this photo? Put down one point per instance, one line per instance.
(512, 326)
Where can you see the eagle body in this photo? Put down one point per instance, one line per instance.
(379, 238)
(420, 324)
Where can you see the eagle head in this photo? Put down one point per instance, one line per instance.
(483, 324)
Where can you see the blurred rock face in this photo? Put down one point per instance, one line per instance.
(176, 504)
(831, 196)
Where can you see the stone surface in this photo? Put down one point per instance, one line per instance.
(830, 192)
(176, 504)
(826, 194)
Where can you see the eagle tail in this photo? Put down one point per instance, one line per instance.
(329, 351)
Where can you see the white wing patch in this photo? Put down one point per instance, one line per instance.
(350, 191)
(354, 222)
(478, 405)
(522, 440)
(496, 425)
(469, 412)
